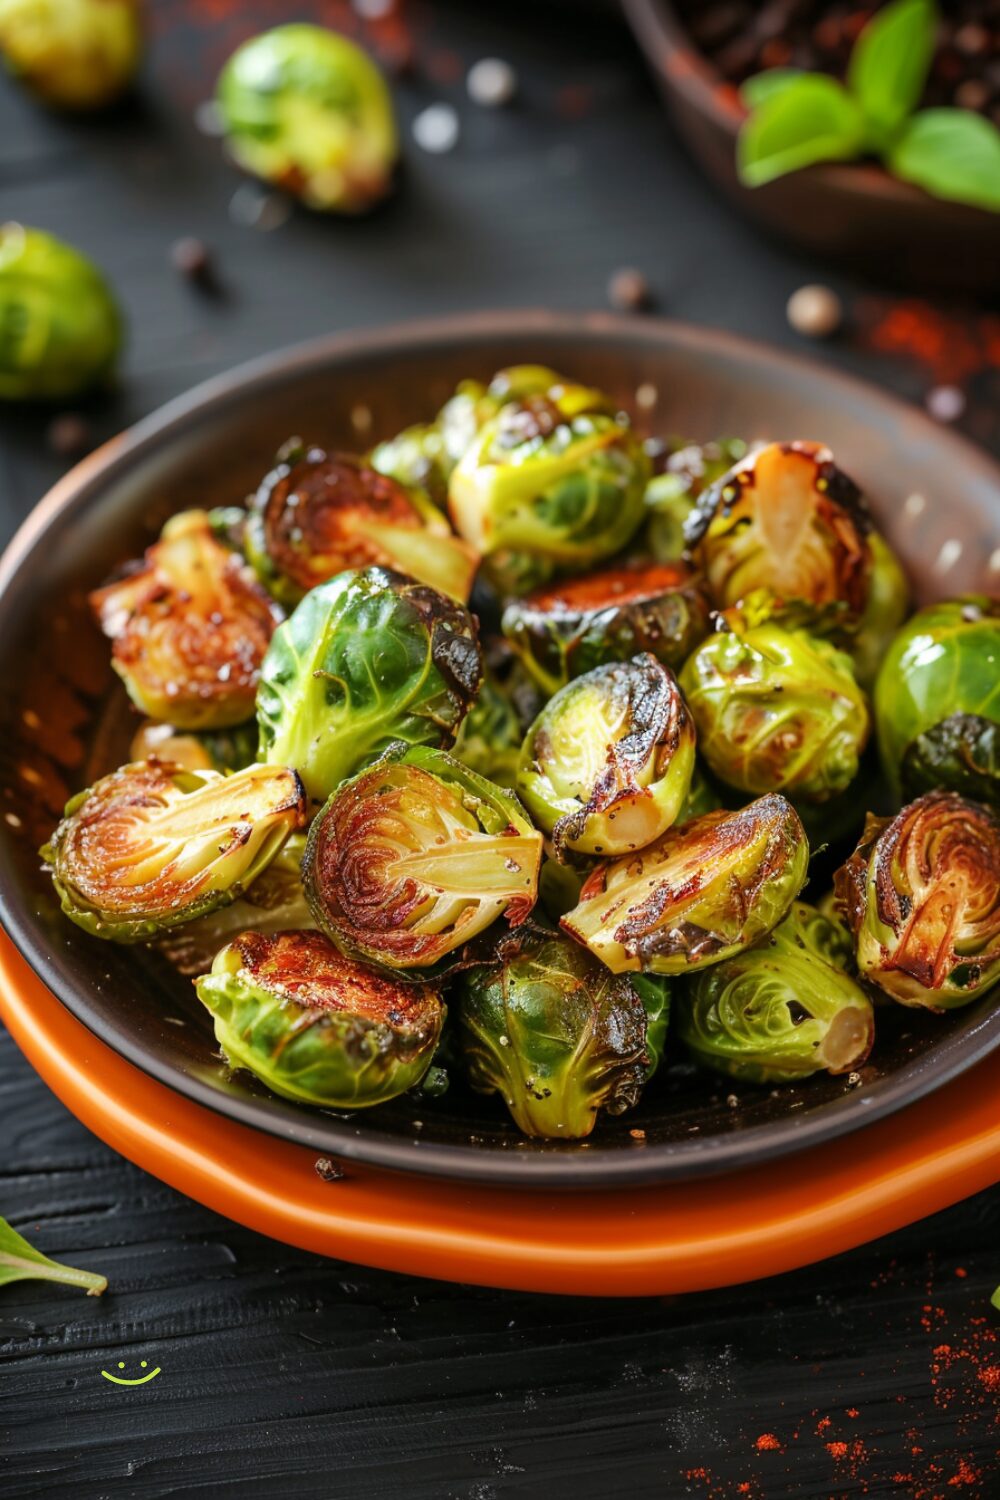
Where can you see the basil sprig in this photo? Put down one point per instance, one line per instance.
(19, 1261)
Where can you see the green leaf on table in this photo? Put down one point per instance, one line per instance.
(995, 1299)
(890, 63)
(20, 1262)
(951, 153)
(812, 119)
(754, 91)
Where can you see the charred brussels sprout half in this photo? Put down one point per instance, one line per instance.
(317, 514)
(776, 710)
(189, 627)
(921, 894)
(780, 1010)
(489, 741)
(787, 520)
(557, 1036)
(366, 659)
(682, 472)
(550, 478)
(414, 857)
(316, 1026)
(703, 892)
(152, 845)
(74, 54)
(60, 328)
(309, 111)
(606, 766)
(565, 630)
(213, 750)
(937, 701)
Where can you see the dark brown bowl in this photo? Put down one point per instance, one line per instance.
(852, 213)
(61, 717)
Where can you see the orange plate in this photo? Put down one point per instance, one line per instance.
(677, 1239)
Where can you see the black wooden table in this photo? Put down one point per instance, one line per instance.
(877, 1373)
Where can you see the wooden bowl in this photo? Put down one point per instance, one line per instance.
(61, 715)
(853, 213)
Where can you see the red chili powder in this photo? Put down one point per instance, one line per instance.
(990, 1377)
(964, 1474)
(837, 1450)
(768, 1443)
(953, 347)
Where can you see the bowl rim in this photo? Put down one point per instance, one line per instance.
(600, 1166)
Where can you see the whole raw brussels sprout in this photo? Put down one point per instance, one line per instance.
(60, 328)
(317, 514)
(606, 767)
(212, 750)
(781, 1010)
(559, 1037)
(366, 659)
(74, 54)
(552, 477)
(682, 473)
(709, 888)
(189, 628)
(316, 1026)
(787, 520)
(309, 111)
(937, 701)
(885, 611)
(415, 856)
(776, 710)
(489, 741)
(569, 628)
(921, 895)
(153, 845)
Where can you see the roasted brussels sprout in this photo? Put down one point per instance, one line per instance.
(776, 710)
(921, 894)
(781, 1010)
(317, 514)
(885, 611)
(367, 659)
(551, 477)
(60, 328)
(309, 111)
(606, 766)
(213, 750)
(671, 493)
(937, 701)
(415, 856)
(558, 1036)
(567, 629)
(189, 627)
(152, 845)
(316, 1026)
(489, 741)
(702, 797)
(704, 891)
(74, 54)
(787, 520)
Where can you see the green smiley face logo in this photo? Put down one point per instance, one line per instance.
(143, 1379)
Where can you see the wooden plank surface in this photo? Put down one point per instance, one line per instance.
(875, 1374)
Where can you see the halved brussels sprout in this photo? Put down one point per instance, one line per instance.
(786, 519)
(414, 857)
(558, 1036)
(681, 474)
(937, 701)
(60, 327)
(316, 1026)
(367, 659)
(921, 894)
(781, 1010)
(706, 890)
(776, 710)
(306, 109)
(568, 629)
(489, 741)
(885, 611)
(212, 750)
(189, 627)
(606, 766)
(152, 845)
(74, 54)
(317, 514)
(551, 477)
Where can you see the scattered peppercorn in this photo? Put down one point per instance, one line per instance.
(191, 258)
(436, 129)
(491, 82)
(329, 1170)
(628, 290)
(69, 435)
(815, 311)
(946, 403)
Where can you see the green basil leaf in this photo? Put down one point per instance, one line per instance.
(753, 91)
(890, 62)
(951, 153)
(20, 1262)
(812, 119)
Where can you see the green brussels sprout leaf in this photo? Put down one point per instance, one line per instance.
(20, 1261)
